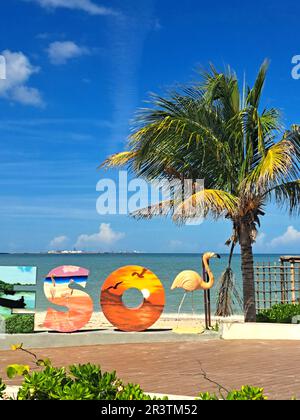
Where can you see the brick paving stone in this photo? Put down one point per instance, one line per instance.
(175, 368)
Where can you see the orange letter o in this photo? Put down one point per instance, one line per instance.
(137, 319)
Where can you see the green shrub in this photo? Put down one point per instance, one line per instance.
(280, 313)
(19, 324)
(246, 393)
(87, 382)
(83, 382)
(206, 396)
(134, 392)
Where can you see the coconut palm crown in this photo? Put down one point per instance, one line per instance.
(216, 131)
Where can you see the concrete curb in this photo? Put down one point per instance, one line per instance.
(56, 340)
(260, 331)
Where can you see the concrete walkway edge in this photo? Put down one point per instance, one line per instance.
(57, 340)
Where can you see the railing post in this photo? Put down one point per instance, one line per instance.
(270, 285)
(293, 289)
(257, 288)
(282, 282)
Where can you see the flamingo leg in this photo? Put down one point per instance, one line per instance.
(180, 306)
(193, 308)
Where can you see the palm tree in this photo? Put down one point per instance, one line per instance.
(216, 131)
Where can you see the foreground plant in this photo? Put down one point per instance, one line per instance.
(221, 133)
(22, 370)
(87, 382)
(246, 393)
(78, 382)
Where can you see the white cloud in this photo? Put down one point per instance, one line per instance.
(105, 236)
(88, 6)
(27, 96)
(60, 52)
(59, 242)
(18, 72)
(290, 237)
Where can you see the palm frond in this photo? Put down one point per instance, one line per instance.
(276, 167)
(214, 203)
(162, 209)
(293, 136)
(254, 94)
(287, 195)
(118, 159)
(228, 294)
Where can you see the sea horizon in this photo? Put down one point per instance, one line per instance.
(136, 253)
(165, 265)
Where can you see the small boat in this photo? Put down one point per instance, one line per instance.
(13, 304)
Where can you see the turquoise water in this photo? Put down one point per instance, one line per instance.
(29, 300)
(165, 266)
(5, 313)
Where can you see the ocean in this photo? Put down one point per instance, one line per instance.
(165, 266)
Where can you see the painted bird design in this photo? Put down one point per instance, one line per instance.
(114, 287)
(140, 275)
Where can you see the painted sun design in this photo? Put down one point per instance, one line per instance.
(146, 293)
(132, 319)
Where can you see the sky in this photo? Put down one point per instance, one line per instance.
(20, 275)
(76, 72)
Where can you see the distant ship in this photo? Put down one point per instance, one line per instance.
(65, 252)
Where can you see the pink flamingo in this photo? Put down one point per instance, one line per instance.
(190, 281)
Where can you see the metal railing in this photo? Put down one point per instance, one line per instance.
(276, 283)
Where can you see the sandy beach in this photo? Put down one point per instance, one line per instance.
(167, 321)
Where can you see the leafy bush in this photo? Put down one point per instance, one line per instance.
(246, 393)
(206, 396)
(134, 392)
(280, 313)
(82, 382)
(19, 324)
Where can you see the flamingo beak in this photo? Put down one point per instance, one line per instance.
(218, 256)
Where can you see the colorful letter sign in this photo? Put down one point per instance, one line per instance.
(73, 306)
(136, 319)
(58, 288)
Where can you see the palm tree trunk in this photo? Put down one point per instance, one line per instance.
(247, 273)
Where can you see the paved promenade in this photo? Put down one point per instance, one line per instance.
(175, 368)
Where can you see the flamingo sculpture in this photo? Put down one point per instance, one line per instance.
(190, 281)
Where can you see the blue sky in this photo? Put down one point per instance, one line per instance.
(77, 71)
(21, 275)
